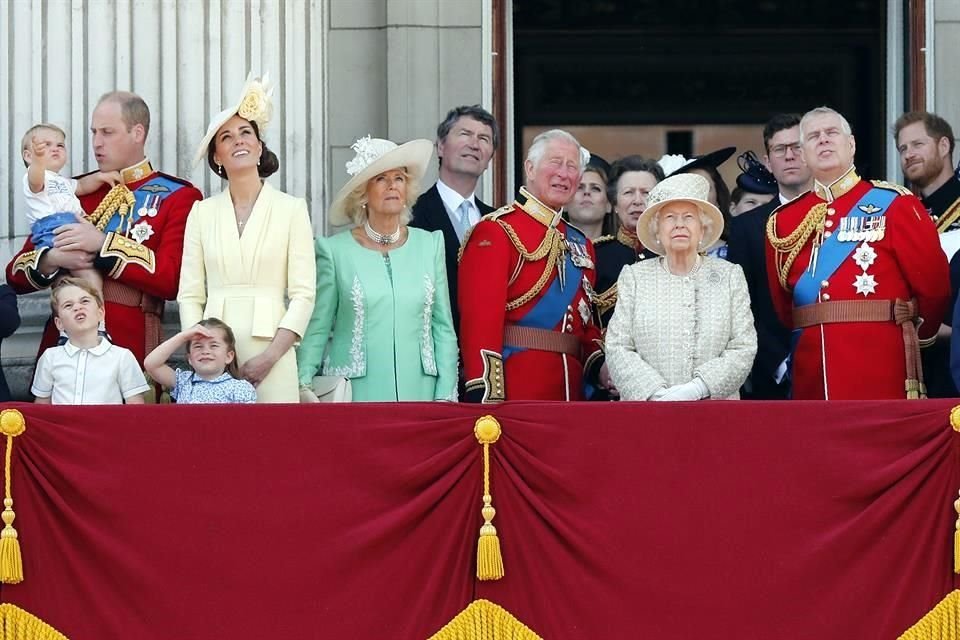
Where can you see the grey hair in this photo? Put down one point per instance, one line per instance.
(539, 147)
(824, 111)
(705, 221)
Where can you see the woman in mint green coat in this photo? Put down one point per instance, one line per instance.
(382, 315)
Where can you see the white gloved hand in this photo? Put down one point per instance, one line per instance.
(696, 389)
(658, 394)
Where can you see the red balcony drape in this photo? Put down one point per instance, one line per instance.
(621, 520)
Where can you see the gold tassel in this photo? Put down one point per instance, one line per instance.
(17, 624)
(484, 619)
(955, 423)
(956, 539)
(489, 559)
(11, 564)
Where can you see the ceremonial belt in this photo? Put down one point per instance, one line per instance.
(541, 340)
(900, 312)
(151, 306)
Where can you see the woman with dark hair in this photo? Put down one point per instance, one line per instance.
(248, 252)
(590, 209)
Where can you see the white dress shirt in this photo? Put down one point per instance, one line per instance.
(452, 201)
(104, 374)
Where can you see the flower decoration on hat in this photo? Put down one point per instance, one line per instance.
(367, 149)
(256, 105)
(671, 162)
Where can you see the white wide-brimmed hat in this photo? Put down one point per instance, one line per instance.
(255, 105)
(683, 187)
(374, 156)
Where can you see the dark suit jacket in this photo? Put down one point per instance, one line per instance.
(747, 247)
(9, 322)
(429, 214)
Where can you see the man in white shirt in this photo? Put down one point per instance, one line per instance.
(747, 235)
(466, 140)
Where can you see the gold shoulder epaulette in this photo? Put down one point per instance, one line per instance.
(493, 215)
(603, 239)
(899, 188)
(502, 211)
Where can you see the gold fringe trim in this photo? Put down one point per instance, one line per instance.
(484, 620)
(17, 624)
(489, 559)
(956, 539)
(942, 623)
(12, 424)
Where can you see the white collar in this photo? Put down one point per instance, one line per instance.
(102, 347)
(451, 199)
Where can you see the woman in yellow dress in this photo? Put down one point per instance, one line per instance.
(248, 254)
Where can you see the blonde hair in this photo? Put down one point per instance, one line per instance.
(79, 283)
(356, 209)
(25, 141)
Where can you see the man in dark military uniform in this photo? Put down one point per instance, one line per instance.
(630, 180)
(747, 237)
(925, 142)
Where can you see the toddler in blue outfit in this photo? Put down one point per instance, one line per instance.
(212, 352)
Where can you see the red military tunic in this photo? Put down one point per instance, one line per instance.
(141, 268)
(852, 360)
(505, 282)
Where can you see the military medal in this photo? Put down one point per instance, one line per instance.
(580, 255)
(141, 232)
(864, 256)
(865, 284)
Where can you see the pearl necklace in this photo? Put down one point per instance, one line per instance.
(381, 238)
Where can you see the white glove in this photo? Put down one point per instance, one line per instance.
(696, 389)
(658, 394)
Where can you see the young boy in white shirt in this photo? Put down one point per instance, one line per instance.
(88, 369)
(50, 198)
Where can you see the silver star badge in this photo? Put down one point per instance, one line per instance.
(865, 284)
(141, 231)
(864, 256)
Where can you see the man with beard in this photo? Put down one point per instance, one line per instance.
(526, 279)
(855, 269)
(784, 159)
(925, 142)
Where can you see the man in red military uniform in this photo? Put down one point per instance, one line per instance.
(133, 236)
(525, 282)
(855, 268)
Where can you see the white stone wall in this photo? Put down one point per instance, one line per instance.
(342, 69)
(946, 46)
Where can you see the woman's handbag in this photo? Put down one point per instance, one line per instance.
(331, 389)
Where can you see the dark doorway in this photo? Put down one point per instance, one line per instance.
(695, 73)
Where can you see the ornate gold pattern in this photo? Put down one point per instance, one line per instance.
(138, 171)
(788, 248)
(127, 252)
(949, 217)
(118, 200)
(484, 620)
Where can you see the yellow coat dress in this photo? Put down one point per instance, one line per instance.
(257, 282)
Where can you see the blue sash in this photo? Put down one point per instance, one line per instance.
(833, 252)
(157, 187)
(552, 306)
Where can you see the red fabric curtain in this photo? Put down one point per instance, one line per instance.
(620, 520)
